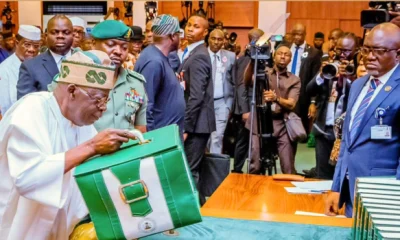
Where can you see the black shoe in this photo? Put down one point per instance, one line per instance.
(310, 173)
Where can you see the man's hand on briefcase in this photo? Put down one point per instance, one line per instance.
(110, 140)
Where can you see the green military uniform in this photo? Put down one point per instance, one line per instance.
(127, 105)
(128, 99)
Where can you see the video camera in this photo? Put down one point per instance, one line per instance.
(378, 13)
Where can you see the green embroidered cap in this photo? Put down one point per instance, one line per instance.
(90, 69)
(112, 29)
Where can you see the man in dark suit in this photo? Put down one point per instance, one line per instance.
(196, 74)
(331, 101)
(37, 73)
(373, 108)
(305, 64)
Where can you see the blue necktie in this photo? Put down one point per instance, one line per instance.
(374, 83)
(184, 53)
(294, 63)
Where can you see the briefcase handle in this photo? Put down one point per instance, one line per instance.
(139, 136)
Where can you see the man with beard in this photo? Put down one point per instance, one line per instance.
(196, 77)
(283, 94)
(79, 31)
(37, 73)
(319, 40)
(28, 43)
(166, 100)
(9, 42)
(128, 101)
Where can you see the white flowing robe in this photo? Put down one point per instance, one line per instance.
(37, 200)
(9, 74)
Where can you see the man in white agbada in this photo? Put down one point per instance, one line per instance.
(27, 47)
(42, 138)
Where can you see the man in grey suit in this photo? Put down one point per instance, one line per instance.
(35, 74)
(196, 77)
(222, 63)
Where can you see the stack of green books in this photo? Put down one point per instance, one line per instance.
(377, 209)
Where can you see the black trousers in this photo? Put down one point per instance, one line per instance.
(242, 147)
(195, 146)
(323, 149)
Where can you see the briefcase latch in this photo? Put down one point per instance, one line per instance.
(128, 201)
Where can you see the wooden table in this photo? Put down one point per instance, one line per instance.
(255, 197)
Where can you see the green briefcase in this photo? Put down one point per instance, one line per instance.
(144, 188)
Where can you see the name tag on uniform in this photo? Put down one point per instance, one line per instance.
(381, 132)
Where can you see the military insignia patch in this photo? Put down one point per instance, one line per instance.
(133, 96)
(128, 34)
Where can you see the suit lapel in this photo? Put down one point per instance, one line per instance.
(50, 64)
(382, 95)
(303, 60)
(190, 54)
(351, 102)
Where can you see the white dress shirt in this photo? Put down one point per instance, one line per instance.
(302, 47)
(9, 74)
(330, 112)
(190, 49)
(218, 81)
(58, 58)
(383, 79)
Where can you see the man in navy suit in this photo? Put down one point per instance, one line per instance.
(374, 108)
(35, 74)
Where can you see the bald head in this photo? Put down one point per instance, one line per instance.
(385, 40)
(389, 33)
(299, 34)
(254, 34)
(216, 40)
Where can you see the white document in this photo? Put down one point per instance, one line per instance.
(316, 214)
(302, 191)
(314, 185)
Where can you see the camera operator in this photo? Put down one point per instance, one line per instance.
(283, 94)
(330, 88)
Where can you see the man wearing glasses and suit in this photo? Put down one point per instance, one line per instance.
(371, 133)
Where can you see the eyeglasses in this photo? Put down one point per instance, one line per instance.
(342, 50)
(100, 101)
(29, 45)
(375, 51)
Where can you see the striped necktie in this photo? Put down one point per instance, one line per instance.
(374, 83)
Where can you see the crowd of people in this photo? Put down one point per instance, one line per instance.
(59, 109)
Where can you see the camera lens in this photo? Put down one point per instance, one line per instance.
(330, 70)
(350, 69)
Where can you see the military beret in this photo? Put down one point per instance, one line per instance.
(112, 29)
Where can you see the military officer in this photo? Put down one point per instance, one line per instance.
(126, 108)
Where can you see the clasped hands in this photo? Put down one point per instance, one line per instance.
(270, 96)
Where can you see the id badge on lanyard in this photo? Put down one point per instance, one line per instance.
(381, 132)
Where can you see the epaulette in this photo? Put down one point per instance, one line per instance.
(135, 75)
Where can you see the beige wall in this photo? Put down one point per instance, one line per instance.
(30, 12)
